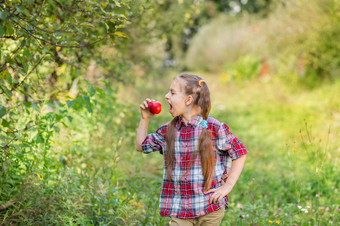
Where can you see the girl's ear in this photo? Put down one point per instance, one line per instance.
(189, 100)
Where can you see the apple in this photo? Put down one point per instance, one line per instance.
(155, 107)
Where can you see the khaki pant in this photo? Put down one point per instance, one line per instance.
(210, 219)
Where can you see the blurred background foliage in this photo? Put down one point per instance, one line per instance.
(73, 72)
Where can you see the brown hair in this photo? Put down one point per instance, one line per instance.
(201, 97)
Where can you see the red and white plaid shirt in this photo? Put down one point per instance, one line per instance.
(183, 197)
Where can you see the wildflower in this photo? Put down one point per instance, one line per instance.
(317, 195)
(247, 216)
(338, 209)
(304, 210)
(278, 222)
(270, 221)
(239, 206)
(136, 204)
(224, 76)
(299, 207)
(307, 207)
(124, 198)
(294, 149)
(63, 198)
(279, 209)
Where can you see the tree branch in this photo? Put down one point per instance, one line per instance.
(12, 37)
(44, 30)
(22, 81)
(64, 46)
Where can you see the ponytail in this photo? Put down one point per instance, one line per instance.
(200, 92)
(204, 144)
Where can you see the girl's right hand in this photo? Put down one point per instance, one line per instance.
(146, 114)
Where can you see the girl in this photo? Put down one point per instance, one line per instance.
(195, 149)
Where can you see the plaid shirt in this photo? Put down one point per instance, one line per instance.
(183, 197)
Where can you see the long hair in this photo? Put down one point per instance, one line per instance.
(201, 97)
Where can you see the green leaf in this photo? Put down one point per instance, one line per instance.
(8, 92)
(88, 107)
(23, 10)
(8, 77)
(86, 99)
(58, 117)
(24, 145)
(22, 90)
(2, 111)
(3, 15)
(2, 31)
(77, 104)
(4, 123)
(9, 29)
(62, 122)
(70, 118)
(26, 53)
(70, 103)
(92, 91)
(39, 138)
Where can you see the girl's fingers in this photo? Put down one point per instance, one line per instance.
(219, 199)
(211, 190)
(142, 106)
(216, 197)
(145, 104)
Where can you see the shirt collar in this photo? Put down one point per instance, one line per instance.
(195, 121)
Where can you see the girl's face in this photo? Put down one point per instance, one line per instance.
(177, 98)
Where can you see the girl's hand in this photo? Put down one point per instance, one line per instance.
(219, 193)
(146, 114)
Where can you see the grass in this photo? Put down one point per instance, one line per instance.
(293, 157)
(95, 177)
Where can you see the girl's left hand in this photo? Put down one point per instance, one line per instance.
(219, 193)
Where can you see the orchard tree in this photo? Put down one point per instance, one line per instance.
(46, 45)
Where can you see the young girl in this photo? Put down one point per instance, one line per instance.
(195, 149)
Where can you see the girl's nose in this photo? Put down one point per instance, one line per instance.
(166, 96)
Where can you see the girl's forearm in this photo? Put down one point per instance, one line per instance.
(142, 132)
(235, 172)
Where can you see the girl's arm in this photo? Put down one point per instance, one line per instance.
(142, 130)
(225, 189)
(235, 171)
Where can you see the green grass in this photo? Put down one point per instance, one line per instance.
(293, 155)
(94, 176)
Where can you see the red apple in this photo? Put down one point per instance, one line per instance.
(155, 107)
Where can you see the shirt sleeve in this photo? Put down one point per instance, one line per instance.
(155, 141)
(225, 141)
